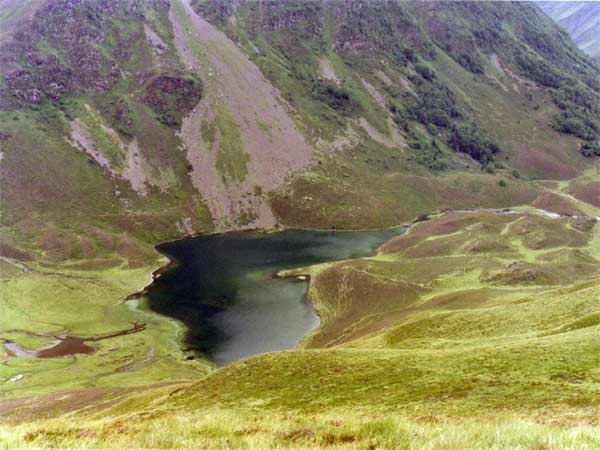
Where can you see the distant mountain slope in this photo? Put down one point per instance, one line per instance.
(580, 19)
(286, 112)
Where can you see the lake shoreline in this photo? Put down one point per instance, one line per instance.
(279, 273)
(347, 246)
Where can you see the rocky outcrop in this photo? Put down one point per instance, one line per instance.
(172, 97)
(70, 47)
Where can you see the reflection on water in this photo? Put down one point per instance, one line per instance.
(222, 287)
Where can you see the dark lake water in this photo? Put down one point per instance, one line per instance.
(222, 288)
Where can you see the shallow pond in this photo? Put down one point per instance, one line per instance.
(222, 287)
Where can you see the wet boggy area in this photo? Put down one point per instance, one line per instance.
(61, 345)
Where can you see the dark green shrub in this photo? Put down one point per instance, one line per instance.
(580, 110)
(409, 54)
(539, 71)
(468, 139)
(336, 97)
(575, 123)
(425, 71)
(431, 129)
(589, 149)
(471, 62)
(428, 154)
(435, 104)
(571, 95)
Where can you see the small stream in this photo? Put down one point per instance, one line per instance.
(223, 289)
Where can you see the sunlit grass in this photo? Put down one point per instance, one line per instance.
(340, 429)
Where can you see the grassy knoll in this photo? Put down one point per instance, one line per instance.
(586, 188)
(370, 186)
(455, 270)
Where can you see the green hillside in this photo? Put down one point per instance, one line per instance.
(126, 123)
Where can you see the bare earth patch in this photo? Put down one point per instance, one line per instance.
(134, 170)
(384, 78)
(517, 81)
(81, 138)
(327, 70)
(394, 139)
(154, 39)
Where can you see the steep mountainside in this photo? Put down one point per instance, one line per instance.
(580, 19)
(128, 98)
(125, 123)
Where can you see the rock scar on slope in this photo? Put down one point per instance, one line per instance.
(272, 146)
